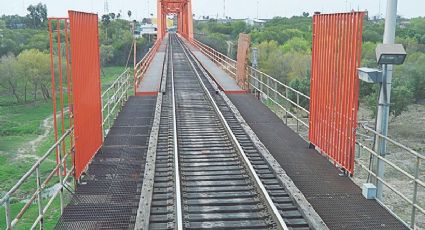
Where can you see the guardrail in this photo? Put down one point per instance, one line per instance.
(291, 106)
(405, 168)
(226, 63)
(281, 96)
(58, 178)
(142, 66)
(113, 98)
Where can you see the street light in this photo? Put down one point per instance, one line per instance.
(390, 54)
(386, 56)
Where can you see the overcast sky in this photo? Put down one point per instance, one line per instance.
(212, 8)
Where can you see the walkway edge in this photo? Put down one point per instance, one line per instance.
(306, 209)
(143, 212)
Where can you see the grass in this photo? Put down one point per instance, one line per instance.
(18, 125)
(28, 218)
(110, 74)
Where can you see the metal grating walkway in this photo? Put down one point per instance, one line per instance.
(108, 195)
(336, 199)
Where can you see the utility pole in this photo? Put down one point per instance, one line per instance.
(106, 7)
(148, 9)
(224, 9)
(258, 4)
(385, 94)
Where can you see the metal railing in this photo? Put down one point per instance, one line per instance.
(114, 97)
(60, 172)
(292, 106)
(405, 175)
(226, 63)
(279, 96)
(142, 66)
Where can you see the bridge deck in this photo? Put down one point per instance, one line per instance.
(150, 83)
(108, 195)
(226, 82)
(336, 199)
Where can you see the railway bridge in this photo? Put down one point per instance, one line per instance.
(192, 139)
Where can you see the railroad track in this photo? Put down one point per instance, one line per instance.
(208, 173)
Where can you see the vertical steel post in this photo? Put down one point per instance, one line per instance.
(415, 193)
(385, 95)
(287, 103)
(40, 204)
(298, 111)
(61, 198)
(8, 215)
(254, 66)
(109, 112)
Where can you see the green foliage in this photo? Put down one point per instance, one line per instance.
(412, 74)
(106, 54)
(214, 40)
(30, 70)
(16, 40)
(37, 16)
(401, 98)
(283, 29)
(9, 78)
(116, 41)
(297, 45)
(282, 62)
(371, 36)
(284, 52)
(302, 85)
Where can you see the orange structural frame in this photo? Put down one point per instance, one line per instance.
(242, 60)
(337, 44)
(86, 87)
(182, 9)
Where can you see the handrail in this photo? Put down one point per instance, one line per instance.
(114, 96)
(41, 185)
(141, 67)
(398, 144)
(217, 57)
(269, 89)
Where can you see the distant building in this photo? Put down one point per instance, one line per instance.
(150, 29)
(255, 22)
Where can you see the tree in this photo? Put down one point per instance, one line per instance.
(297, 45)
(37, 15)
(106, 21)
(129, 14)
(106, 54)
(2, 25)
(9, 77)
(34, 67)
(306, 14)
(112, 15)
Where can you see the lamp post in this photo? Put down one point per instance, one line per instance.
(385, 94)
(387, 55)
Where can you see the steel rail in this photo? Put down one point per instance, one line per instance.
(179, 215)
(260, 186)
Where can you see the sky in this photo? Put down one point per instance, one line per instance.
(214, 8)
